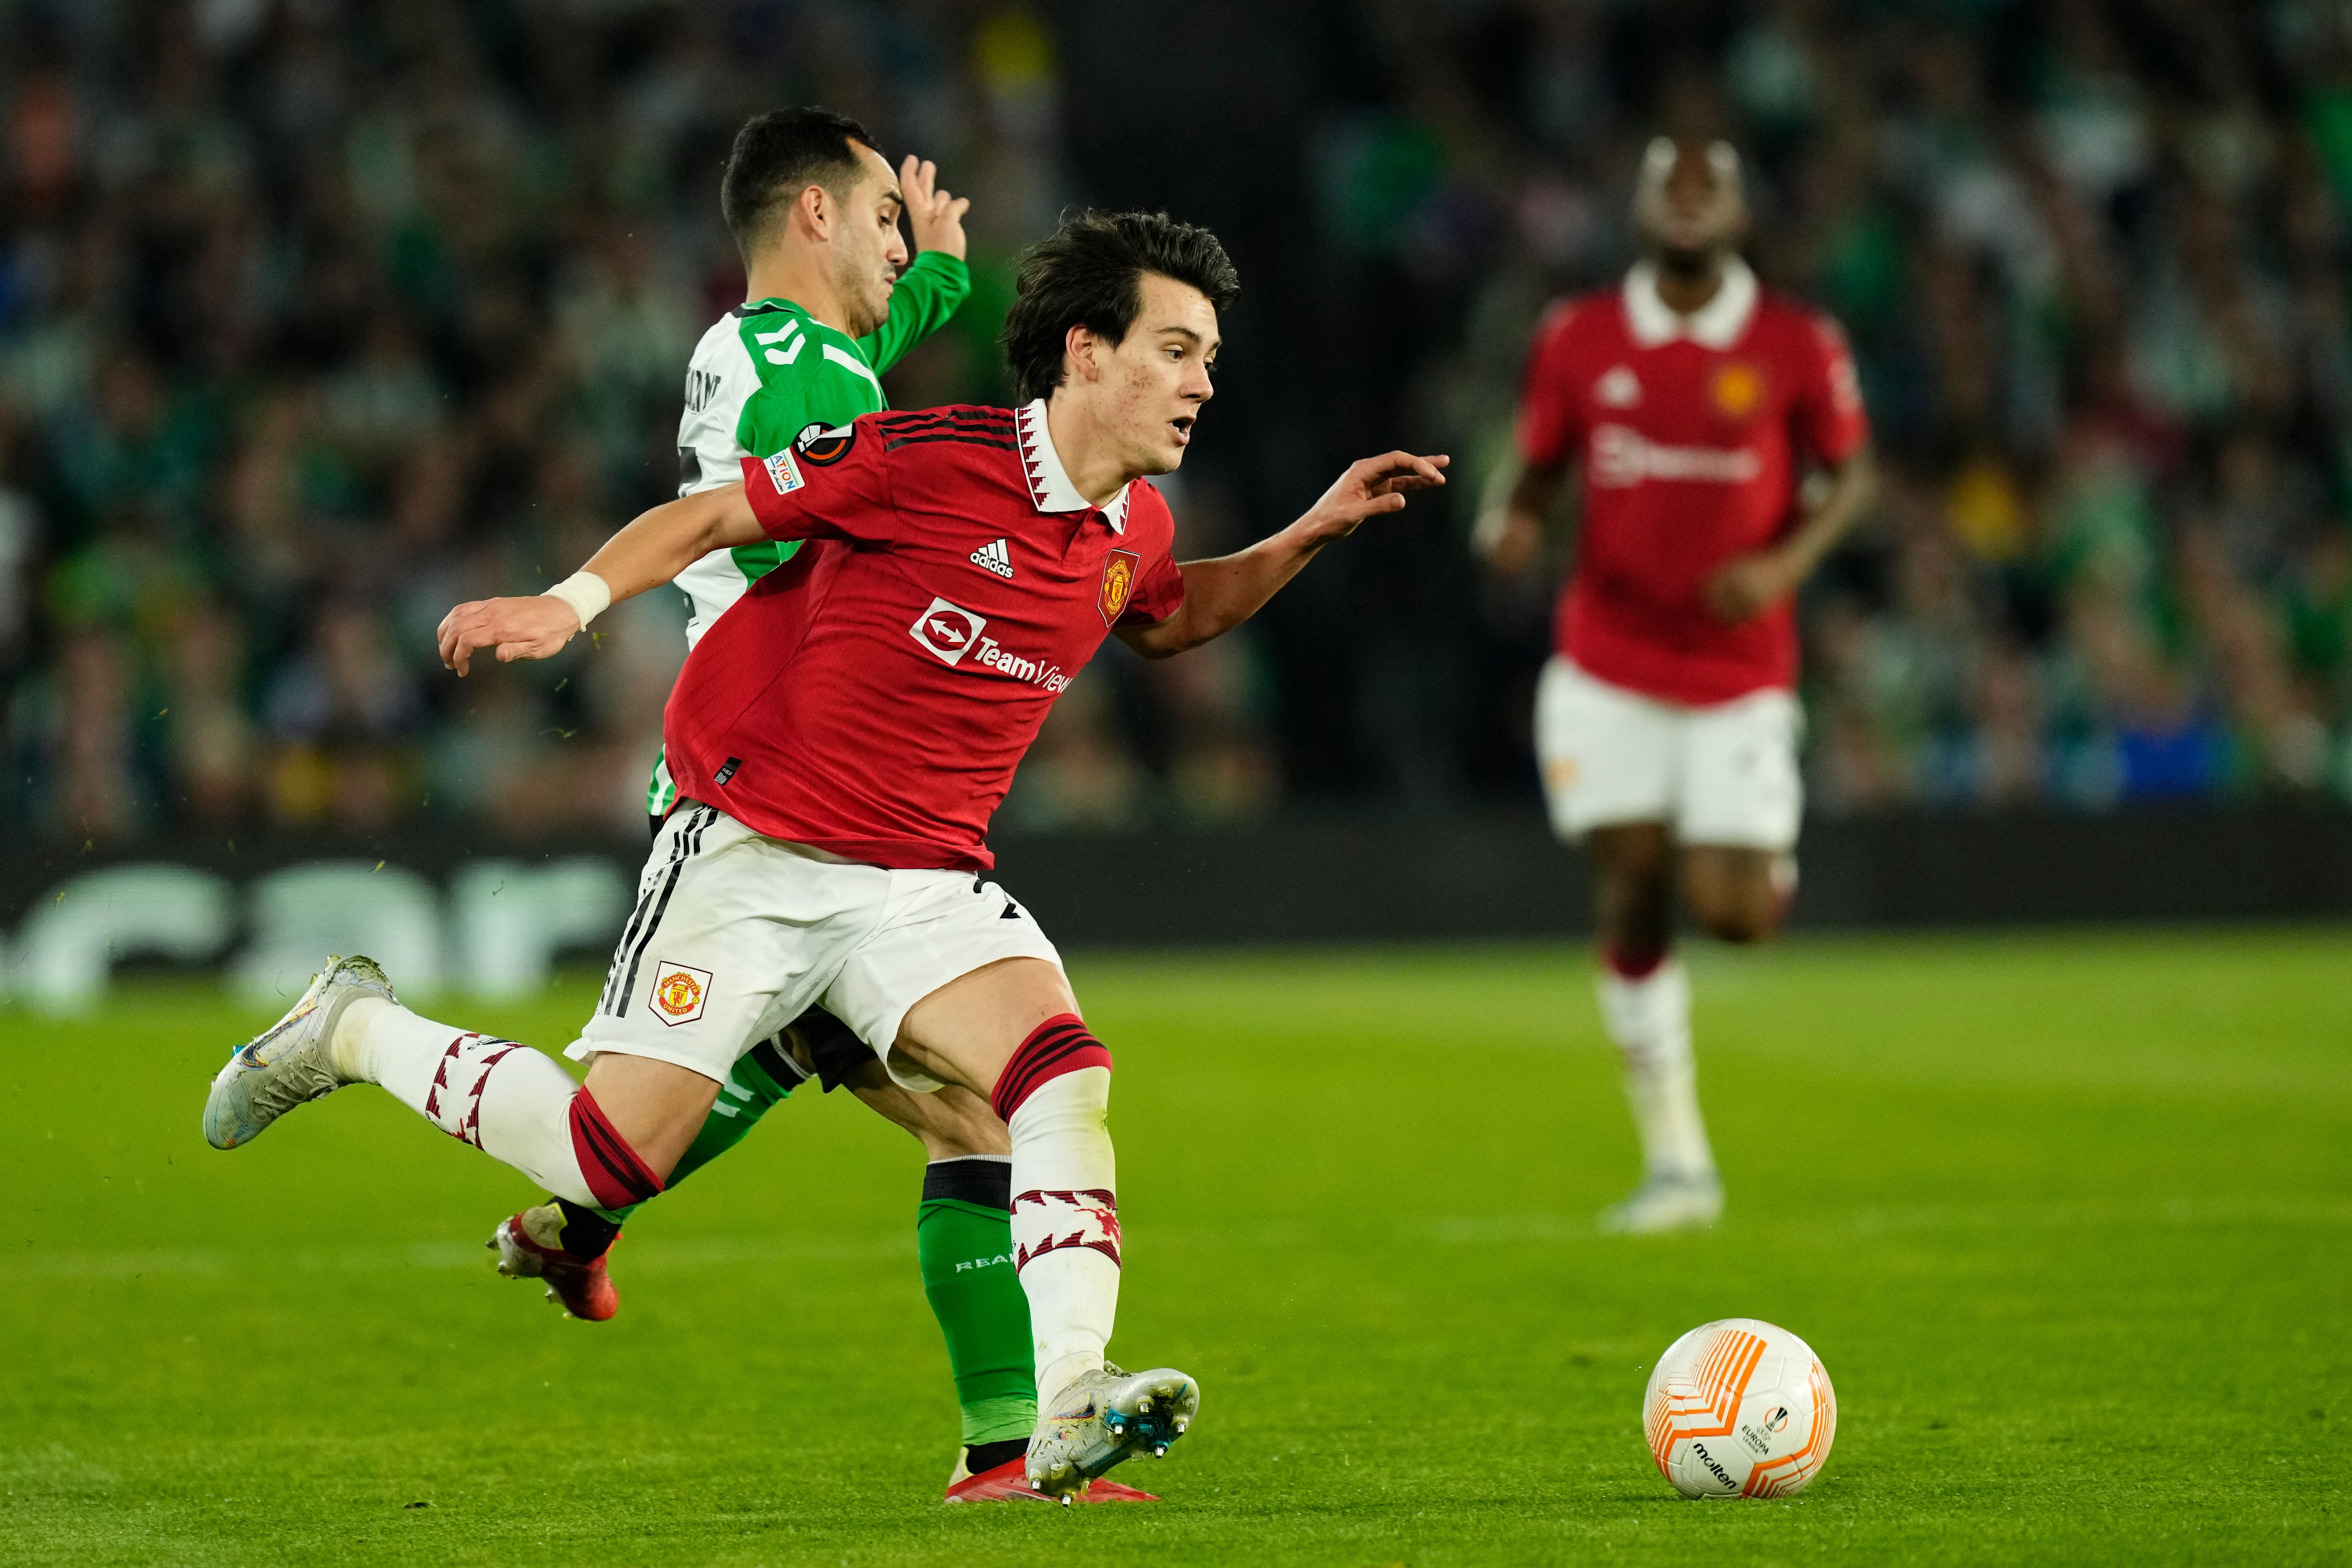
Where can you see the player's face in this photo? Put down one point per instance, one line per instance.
(1694, 209)
(868, 249)
(1157, 377)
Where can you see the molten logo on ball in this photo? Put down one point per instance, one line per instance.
(1739, 1408)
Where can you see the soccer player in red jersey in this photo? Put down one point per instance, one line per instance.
(839, 739)
(1692, 401)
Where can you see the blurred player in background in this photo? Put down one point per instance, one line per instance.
(815, 210)
(1692, 402)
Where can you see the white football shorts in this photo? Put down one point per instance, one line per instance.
(735, 935)
(1726, 773)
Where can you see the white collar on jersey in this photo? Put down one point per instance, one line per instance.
(1715, 325)
(1049, 482)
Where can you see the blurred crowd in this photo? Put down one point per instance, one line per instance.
(318, 316)
(2093, 257)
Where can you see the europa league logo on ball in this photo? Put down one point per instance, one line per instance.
(1739, 1408)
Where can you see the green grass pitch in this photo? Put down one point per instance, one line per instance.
(2068, 1217)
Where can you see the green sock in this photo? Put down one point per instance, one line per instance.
(751, 1091)
(963, 1238)
(963, 1241)
(753, 1088)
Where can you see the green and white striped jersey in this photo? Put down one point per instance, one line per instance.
(765, 371)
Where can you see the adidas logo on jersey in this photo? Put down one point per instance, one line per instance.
(1618, 389)
(996, 556)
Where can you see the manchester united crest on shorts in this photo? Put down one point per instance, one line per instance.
(680, 992)
(1118, 582)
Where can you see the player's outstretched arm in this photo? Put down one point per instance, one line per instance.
(1747, 585)
(935, 216)
(932, 286)
(655, 547)
(1509, 533)
(1220, 594)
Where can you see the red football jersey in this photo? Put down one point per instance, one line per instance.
(872, 696)
(1691, 433)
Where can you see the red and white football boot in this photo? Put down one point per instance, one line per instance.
(528, 1246)
(1009, 1482)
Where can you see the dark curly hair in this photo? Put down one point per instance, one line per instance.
(1089, 273)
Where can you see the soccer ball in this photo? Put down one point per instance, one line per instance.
(1739, 1408)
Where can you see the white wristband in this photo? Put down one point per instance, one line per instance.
(588, 595)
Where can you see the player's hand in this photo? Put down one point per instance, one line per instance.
(1516, 544)
(535, 627)
(1747, 585)
(1370, 487)
(933, 216)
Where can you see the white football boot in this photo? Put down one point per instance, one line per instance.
(1667, 1200)
(291, 1061)
(1103, 1418)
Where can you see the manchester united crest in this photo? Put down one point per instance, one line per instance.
(680, 992)
(1117, 584)
(1737, 389)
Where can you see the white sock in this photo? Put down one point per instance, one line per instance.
(1066, 1223)
(1649, 1019)
(507, 1101)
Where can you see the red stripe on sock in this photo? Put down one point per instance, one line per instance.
(616, 1177)
(1635, 965)
(1025, 1256)
(1059, 1044)
(1046, 1060)
(1098, 1203)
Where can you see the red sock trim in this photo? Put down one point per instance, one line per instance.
(1096, 1203)
(1059, 1044)
(1635, 965)
(616, 1177)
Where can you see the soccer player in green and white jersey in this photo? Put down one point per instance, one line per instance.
(771, 371)
(815, 209)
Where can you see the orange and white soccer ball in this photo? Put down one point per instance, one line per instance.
(1739, 1408)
